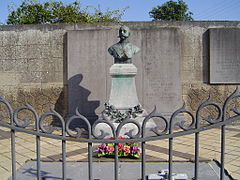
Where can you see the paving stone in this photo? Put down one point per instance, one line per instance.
(4, 174)
(231, 168)
(236, 175)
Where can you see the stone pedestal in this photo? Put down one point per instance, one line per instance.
(123, 97)
(123, 91)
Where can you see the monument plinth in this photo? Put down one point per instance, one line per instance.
(123, 90)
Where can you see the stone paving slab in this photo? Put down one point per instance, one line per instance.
(127, 170)
(157, 151)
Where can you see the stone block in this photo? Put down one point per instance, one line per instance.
(224, 56)
(57, 36)
(8, 52)
(49, 66)
(31, 77)
(188, 38)
(21, 51)
(33, 37)
(59, 76)
(9, 78)
(9, 38)
(57, 50)
(15, 65)
(188, 63)
(58, 64)
(33, 51)
(48, 77)
(35, 64)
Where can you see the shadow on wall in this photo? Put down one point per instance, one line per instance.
(78, 99)
(74, 96)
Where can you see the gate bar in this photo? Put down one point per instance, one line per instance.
(90, 161)
(116, 161)
(38, 146)
(222, 152)
(143, 161)
(170, 154)
(196, 169)
(64, 159)
(38, 157)
(13, 154)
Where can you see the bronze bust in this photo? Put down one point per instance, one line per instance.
(123, 51)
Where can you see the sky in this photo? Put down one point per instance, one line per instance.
(139, 9)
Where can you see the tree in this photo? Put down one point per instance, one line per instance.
(172, 11)
(55, 11)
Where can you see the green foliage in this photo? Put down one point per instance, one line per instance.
(55, 11)
(172, 11)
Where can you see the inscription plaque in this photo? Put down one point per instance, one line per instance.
(224, 56)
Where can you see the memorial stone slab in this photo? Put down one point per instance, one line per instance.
(224, 56)
(161, 70)
(158, 81)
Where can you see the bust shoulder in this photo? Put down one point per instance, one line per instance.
(134, 49)
(114, 50)
(123, 51)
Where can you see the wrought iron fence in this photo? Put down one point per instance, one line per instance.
(192, 127)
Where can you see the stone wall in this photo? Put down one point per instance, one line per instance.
(33, 61)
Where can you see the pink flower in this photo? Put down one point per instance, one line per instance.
(126, 149)
(110, 148)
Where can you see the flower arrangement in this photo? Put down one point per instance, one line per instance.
(124, 149)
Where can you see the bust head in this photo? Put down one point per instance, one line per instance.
(124, 32)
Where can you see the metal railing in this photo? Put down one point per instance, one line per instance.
(192, 127)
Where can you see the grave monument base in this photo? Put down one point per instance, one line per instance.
(127, 127)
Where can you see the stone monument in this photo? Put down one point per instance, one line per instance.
(123, 101)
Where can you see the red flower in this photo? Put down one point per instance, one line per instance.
(121, 137)
(129, 143)
(120, 146)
